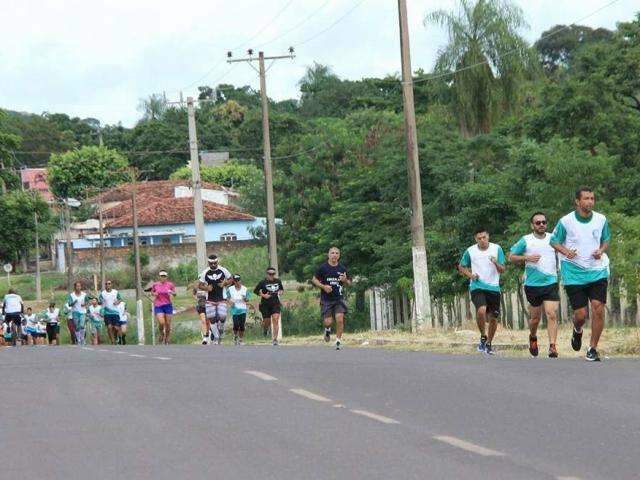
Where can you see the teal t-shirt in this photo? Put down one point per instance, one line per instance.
(533, 277)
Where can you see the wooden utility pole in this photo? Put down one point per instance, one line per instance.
(68, 247)
(136, 244)
(198, 209)
(266, 146)
(422, 317)
(38, 282)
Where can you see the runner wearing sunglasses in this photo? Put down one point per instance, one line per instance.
(540, 281)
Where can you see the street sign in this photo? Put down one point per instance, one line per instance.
(8, 267)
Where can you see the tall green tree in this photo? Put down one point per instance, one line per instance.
(488, 58)
(77, 172)
(152, 107)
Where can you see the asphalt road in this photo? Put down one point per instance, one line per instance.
(313, 413)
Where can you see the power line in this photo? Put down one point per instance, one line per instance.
(298, 25)
(515, 50)
(267, 25)
(313, 37)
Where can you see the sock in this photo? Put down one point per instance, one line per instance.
(483, 337)
(575, 329)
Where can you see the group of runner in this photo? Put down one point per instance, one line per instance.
(579, 241)
(86, 313)
(218, 291)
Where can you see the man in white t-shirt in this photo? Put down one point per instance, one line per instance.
(540, 280)
(581, 237)
(12, 309)
(483, 263)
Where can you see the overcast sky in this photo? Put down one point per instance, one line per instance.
(97, 58)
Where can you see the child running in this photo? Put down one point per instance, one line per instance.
(95, 320)
(237, 296)
(52, 318)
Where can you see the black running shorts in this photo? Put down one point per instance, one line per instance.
(536, 296)
(487, 298)
(266, 309)
(579, 295)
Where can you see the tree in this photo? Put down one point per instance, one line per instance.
(558, 45)
(232, 175)
(17, 223)
(8, 143)
(152, 107)
(488, 59)
(73, 173)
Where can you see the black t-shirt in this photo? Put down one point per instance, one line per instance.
(214, 277)
(269, 286)
(330, 275)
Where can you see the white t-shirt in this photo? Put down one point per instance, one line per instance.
(12, 303)
(31, 321)
(480, 263)
(51, 317)
(237, 297)
(77, 303)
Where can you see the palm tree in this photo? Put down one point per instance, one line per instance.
(153, 107)
(487, 58)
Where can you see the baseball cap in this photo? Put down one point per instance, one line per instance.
(236, 277)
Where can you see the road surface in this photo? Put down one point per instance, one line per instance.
(191, 412)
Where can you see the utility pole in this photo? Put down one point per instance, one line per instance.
(198, 210)
(68, 247)
(38, 282)
(101, 228)
(266, 147)
(136, 252)
(422, 317)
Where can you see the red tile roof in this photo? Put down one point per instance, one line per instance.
(154, 210)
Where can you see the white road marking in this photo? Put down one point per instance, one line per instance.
(103, 350)
(309, 395)
(375, 416)
(339, 405)
(568, 478)
(468, 446)
(117, 351)
(87, 348)
(261, 375)
(162, 358)
(137, 356)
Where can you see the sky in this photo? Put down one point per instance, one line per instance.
(98, 58)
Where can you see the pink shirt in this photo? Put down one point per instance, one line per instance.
(162, 293)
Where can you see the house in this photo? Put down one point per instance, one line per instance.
(166, 216)
(35, 179)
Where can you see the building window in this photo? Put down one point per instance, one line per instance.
(166, 241)
(228, 237)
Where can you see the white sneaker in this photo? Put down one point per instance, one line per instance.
(338, 344)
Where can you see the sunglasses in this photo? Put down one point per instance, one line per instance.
(540, 222)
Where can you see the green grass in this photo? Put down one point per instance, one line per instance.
(25, 285)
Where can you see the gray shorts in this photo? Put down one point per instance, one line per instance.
(330, 308)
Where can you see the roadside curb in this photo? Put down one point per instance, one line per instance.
(503, 346)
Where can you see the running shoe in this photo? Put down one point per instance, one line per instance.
(576, 340)
(553, 351)
(592, 355)
(488, 349)
(241, 342)
(205, 339)
(482, 345)
(338, 344)
(327, 335)
(533, 346)
(275, 343)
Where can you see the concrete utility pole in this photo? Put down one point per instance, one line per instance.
(266, 146)
(422, 317)
(198, 209)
